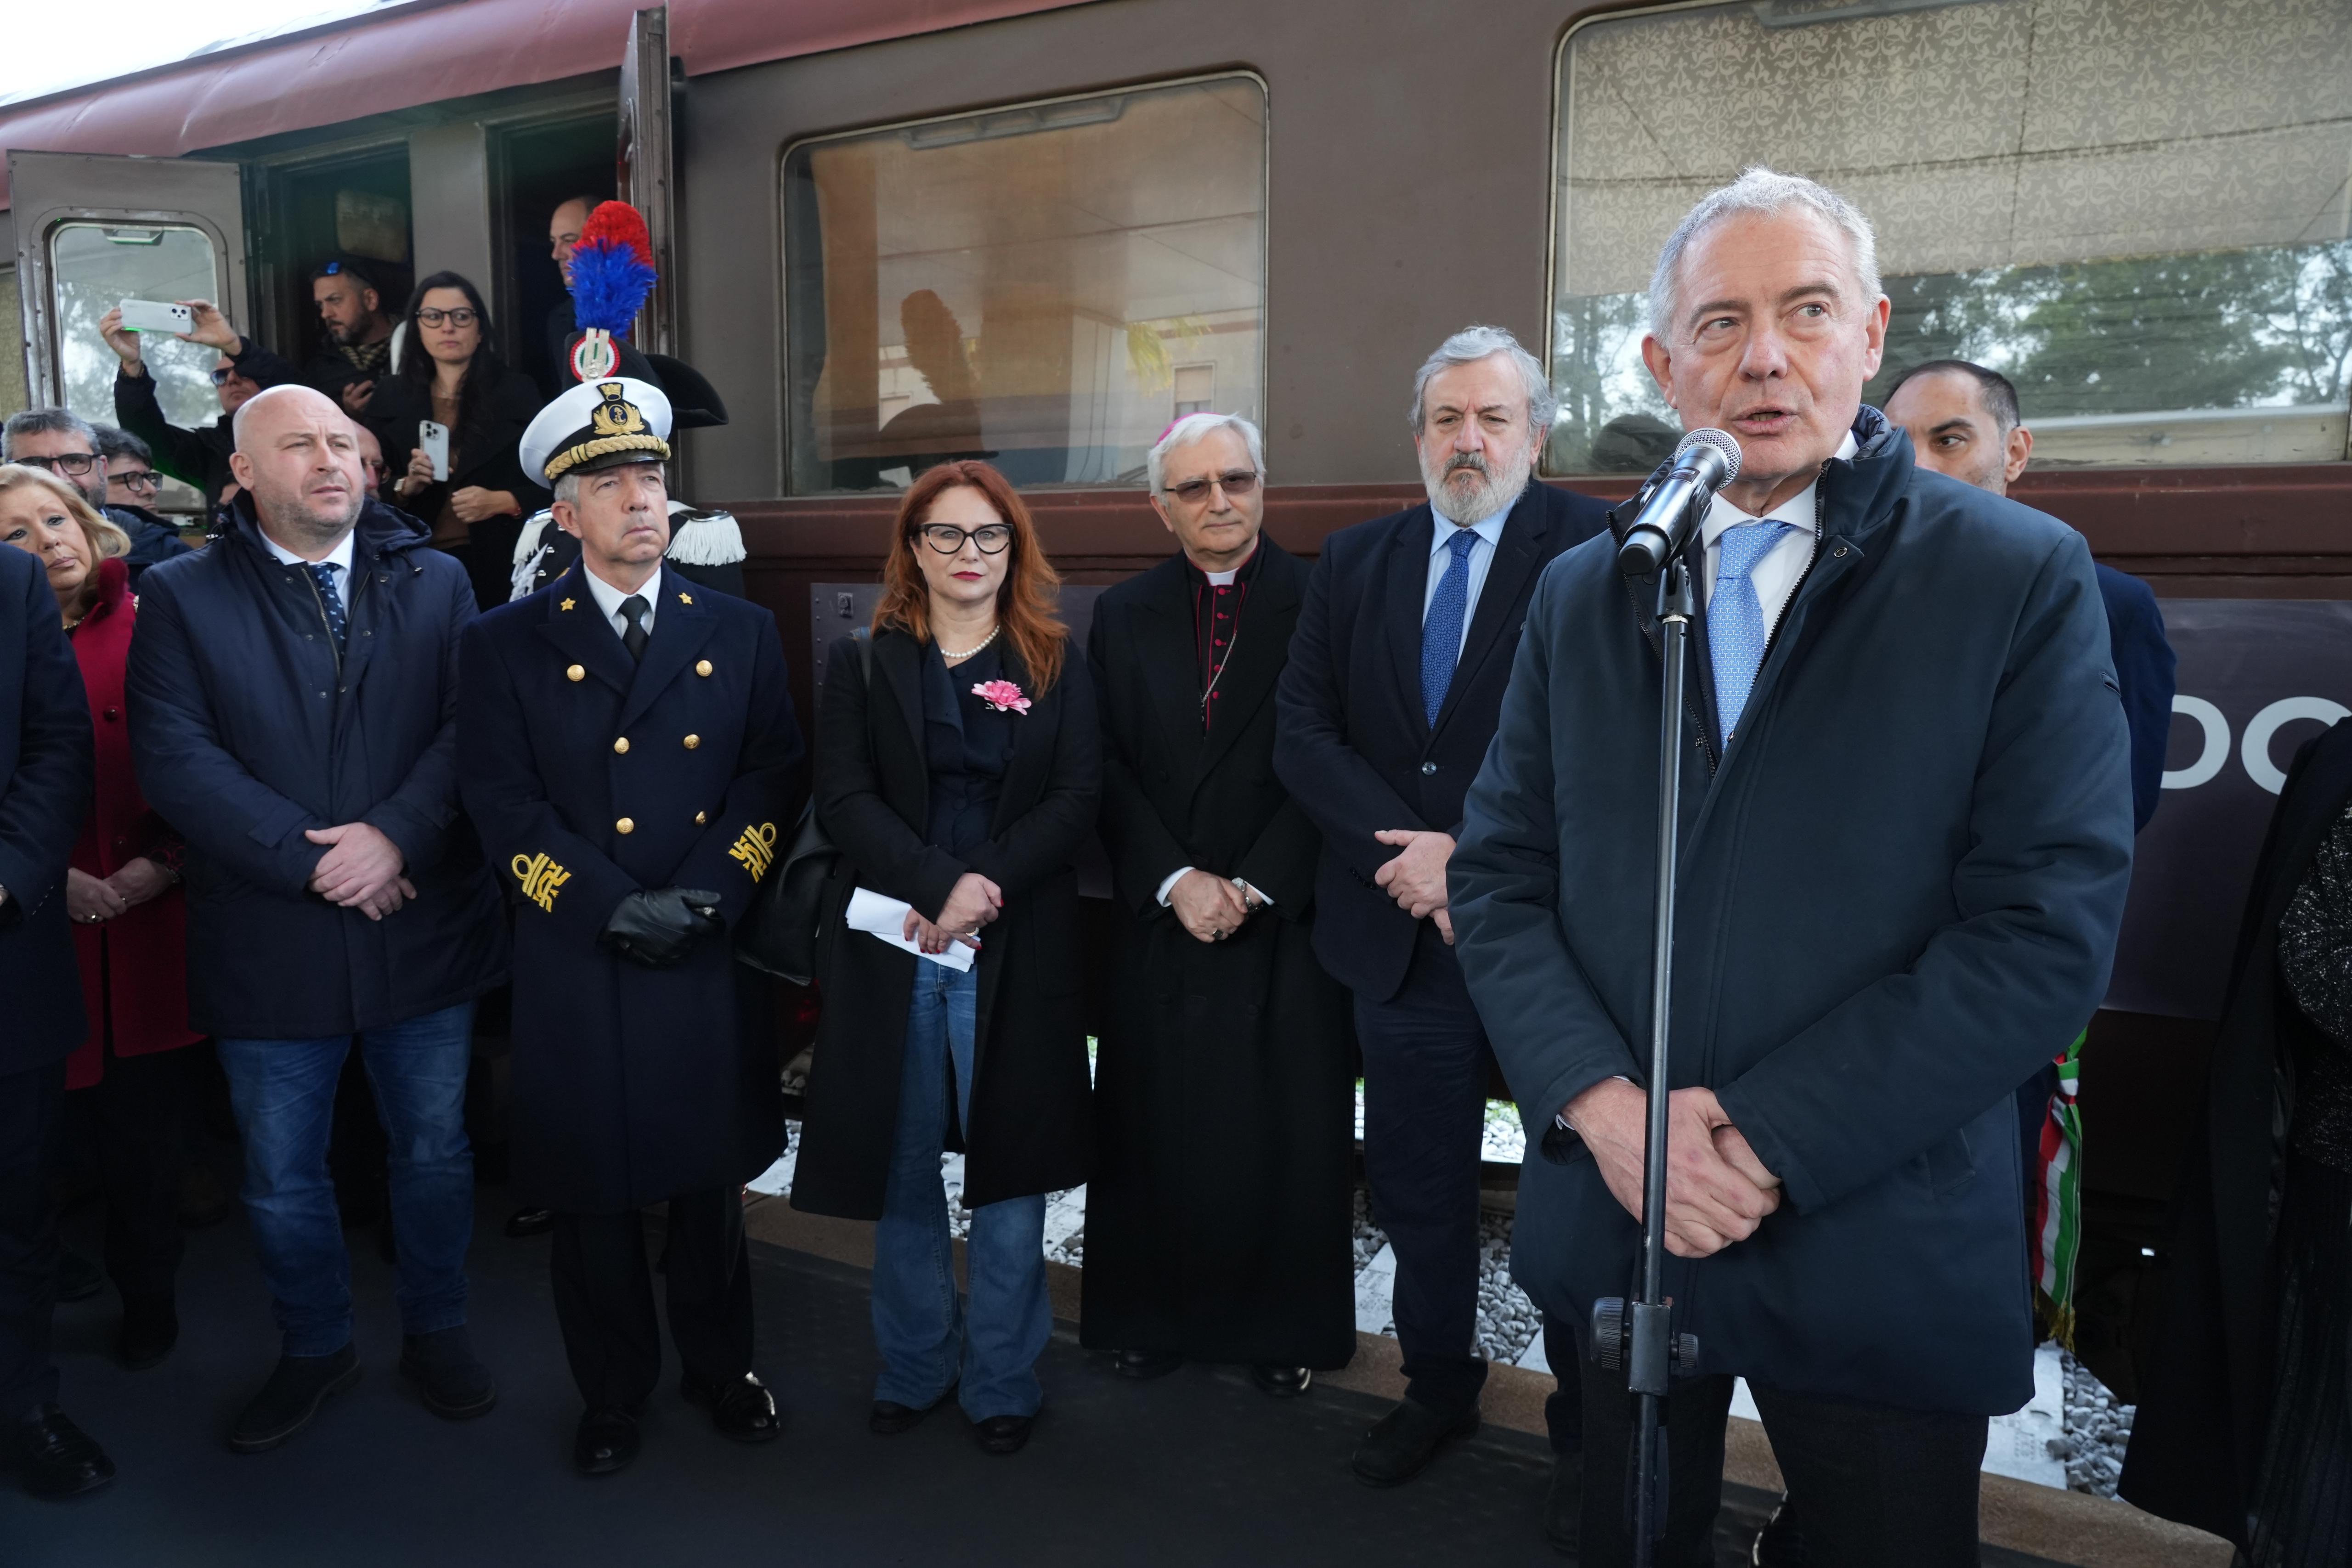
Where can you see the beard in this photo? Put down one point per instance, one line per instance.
(1491, 487)
(299, 517)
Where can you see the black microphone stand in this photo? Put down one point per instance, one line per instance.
(1641, 1339)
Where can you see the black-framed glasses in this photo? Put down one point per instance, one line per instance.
(146, 480)
(947, 538)
(1192, 492)
(71, 464)
(463, 316)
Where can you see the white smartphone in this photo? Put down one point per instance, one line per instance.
(154, 316)
(435, 439)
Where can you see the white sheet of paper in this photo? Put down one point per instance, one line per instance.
(886, 917)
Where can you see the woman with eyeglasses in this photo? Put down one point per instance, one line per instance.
(451, 373)
(128, 1083)
(958, 770)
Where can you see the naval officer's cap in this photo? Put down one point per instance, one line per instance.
(599, 423)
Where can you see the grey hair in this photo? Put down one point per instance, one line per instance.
(1473, 344)
(567, 488)
(43, 422)
(1191, 428)
(1764, 193)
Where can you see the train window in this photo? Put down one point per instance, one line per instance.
(14, 393)
(95, 267)
(2135, 209)
(1043, 284)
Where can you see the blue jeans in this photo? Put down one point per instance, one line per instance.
(929, 1342)
(283, 1092)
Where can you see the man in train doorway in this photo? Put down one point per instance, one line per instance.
(1906, 846)
(1396, 674)
(1218, 1215)
(627, 746)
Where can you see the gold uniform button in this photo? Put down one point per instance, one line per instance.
(576, 673)
(700, 817)
(621, 744)
(692, 741)
(625, 826)
(702, 667)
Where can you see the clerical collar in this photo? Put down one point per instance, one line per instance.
(1226, 579)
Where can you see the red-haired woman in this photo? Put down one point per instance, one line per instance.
(129, 923)
(958, 769)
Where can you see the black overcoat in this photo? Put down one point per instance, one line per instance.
(2206, 1384)
(47, 778)
(592, 777)
(1032, 1114)
(1218, 1219)
(1355, 745)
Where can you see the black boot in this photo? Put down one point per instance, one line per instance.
(291, 1396)
(455, 1386)
(1403, 1442)
(61, 1459)
(1781, 1544)
(150, 1327)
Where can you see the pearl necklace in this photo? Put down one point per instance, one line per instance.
(954, 657)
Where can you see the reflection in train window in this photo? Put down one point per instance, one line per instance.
(94, 268)
(1045, 286)
(2135, 209)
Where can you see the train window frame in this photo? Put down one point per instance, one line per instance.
(2152, 430)
(783, 272)
(182, 372)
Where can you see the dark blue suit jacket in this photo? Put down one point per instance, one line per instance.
(1354, 747)
(47, 778)
(2144, 665)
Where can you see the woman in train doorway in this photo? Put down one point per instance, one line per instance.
(958, 769)
(2244, 1425)
(450, 373)
(128, 1090)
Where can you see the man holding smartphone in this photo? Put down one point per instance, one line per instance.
(200, 457)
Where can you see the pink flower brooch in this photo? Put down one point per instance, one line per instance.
(1001, 696)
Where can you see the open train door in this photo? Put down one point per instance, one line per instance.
(642, 174)
(94, 231)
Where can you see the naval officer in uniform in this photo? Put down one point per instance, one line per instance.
(628, 751)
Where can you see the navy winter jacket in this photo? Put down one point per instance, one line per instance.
(247, 728)
(1899, 894)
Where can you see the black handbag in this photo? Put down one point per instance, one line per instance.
(780, 932)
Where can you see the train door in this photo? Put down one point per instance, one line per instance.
(641, 169)
(92, 232)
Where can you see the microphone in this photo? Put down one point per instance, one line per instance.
(1705, 462)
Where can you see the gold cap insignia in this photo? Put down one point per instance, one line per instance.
(616, 415)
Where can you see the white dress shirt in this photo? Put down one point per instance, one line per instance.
(1775, 575)
(608, 598)
(340, 556)
(1482, 556)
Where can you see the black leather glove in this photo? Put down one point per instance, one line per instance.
(660, 925)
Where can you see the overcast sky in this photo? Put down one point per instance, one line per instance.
(56, 46)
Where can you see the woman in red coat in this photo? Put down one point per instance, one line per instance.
(130, 924)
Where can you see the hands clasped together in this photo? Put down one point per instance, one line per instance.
(972, 902)
(1717, 1191)
(361, 870)
(90, 899)
(1211, 907)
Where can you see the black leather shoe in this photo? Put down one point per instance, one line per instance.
(150, 1327)
(606, 1441)
(1781, 1544)
(743, 1409)
(1282, 1382)
(291, 1396)
(453, 1383)
(1144, 1363)
(1403, 1442)
(1004, 1435)
(204, 1201)
(889, 1418)
(530, 1222)
(79, 1278)
(61, 1460)
(1564, 1503)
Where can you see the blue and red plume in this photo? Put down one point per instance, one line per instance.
(611, 268)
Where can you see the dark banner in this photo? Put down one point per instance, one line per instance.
(2258, 678)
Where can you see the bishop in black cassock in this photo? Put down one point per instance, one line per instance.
(1218, 1218)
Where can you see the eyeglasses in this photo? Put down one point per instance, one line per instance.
(220, 377)
(460, 316)
(1192, 492)
(947, 538)
(145, 479)
(73, 464)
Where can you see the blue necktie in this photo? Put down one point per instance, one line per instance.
(1441, 629)
(1734, 618)
(323, 574)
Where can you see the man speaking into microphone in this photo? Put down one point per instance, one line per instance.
(1906, 836)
